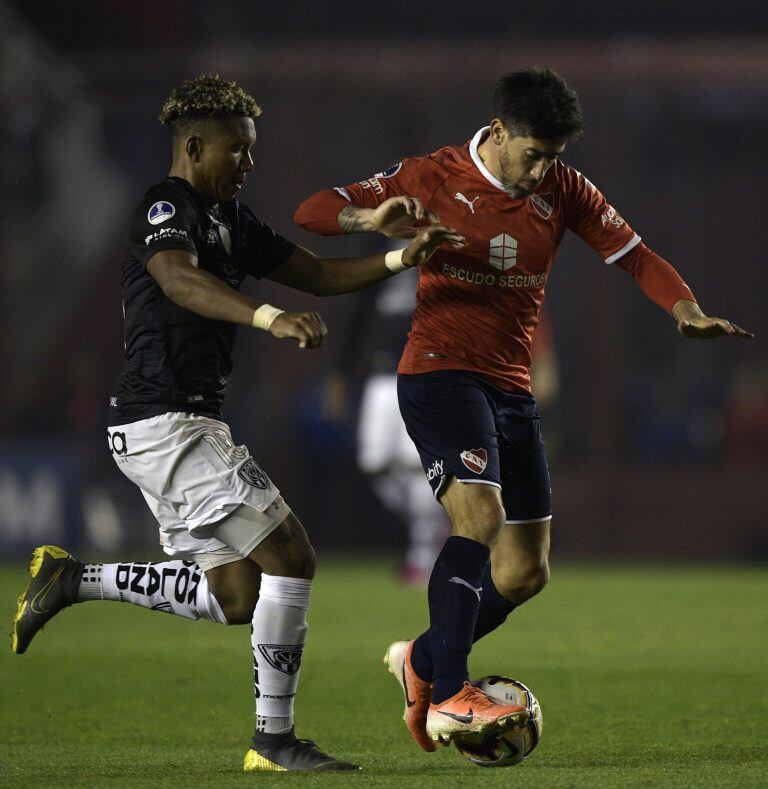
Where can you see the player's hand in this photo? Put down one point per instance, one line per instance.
(306, 327)
(398, 217)
(708, 328)
(427, 240)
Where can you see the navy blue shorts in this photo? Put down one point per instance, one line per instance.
(464, 426)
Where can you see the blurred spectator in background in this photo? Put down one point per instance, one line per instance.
(385, 451)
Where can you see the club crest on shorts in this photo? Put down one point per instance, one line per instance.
(475, 460)
(253, 475)
(283, 657)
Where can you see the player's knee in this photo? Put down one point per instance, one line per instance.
(303, 563)
(298, 560)
(521, 583)
(238, 612)
(238, 605)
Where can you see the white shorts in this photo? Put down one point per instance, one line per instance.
(193, 477)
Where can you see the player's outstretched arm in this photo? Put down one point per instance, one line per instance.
(397, 217)
(693, 323)
(177, 274)
(334, 276)
(328, 213)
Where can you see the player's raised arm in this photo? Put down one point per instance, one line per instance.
(177, 274)
(334, 276)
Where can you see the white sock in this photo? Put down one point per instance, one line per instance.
(176, 587)
(278, 633)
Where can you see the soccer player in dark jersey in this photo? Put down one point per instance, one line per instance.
(464, 383)
(239, 555)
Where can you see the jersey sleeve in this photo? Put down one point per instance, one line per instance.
(658, 279)
(165, 219)
(263, 249)
(416, 177)
(590, 216)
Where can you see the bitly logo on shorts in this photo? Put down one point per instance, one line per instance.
(475, 460)
(435, 470)
(503, 252)
(159, 212)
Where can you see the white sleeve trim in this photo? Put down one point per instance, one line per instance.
(623, 251)
(343, 192)
(543, 519)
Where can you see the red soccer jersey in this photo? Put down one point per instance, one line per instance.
(477, 308)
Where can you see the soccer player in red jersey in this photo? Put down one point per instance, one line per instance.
(464, 382)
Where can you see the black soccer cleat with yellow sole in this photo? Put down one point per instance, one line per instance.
(286, 753)
(54, 582)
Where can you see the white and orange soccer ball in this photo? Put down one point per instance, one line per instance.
(509, 748)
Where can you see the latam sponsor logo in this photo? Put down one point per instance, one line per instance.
(164, 233)
(475, 460)
(501, 281)
(435, 470)
(159, 212)
(390, 171)
(503, 252)
(612, 217)
(544, 204)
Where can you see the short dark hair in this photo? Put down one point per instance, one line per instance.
(207, 97)
(537, 102)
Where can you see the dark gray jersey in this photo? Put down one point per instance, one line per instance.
(176, 360)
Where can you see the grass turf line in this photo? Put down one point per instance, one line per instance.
(647, 677)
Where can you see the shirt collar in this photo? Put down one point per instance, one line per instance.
(484, 171)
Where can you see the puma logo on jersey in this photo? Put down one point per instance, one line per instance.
(470, 203)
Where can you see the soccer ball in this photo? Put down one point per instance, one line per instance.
(504, 750)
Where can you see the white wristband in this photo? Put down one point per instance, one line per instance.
(264, 317)
(394, 261)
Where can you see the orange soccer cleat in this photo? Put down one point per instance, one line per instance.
(470, 710)
(418, 693)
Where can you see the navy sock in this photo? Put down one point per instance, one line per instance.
(493, 611)
(454, 593)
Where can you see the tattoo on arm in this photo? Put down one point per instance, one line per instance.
(348, 219)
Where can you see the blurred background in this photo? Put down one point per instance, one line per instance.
(658, 446)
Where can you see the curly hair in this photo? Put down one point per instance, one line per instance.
(537, 102)
(204, 98)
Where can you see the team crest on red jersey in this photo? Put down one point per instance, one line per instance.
(475, 460)
(544, 204)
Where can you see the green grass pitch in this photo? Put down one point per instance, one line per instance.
(647, 677)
